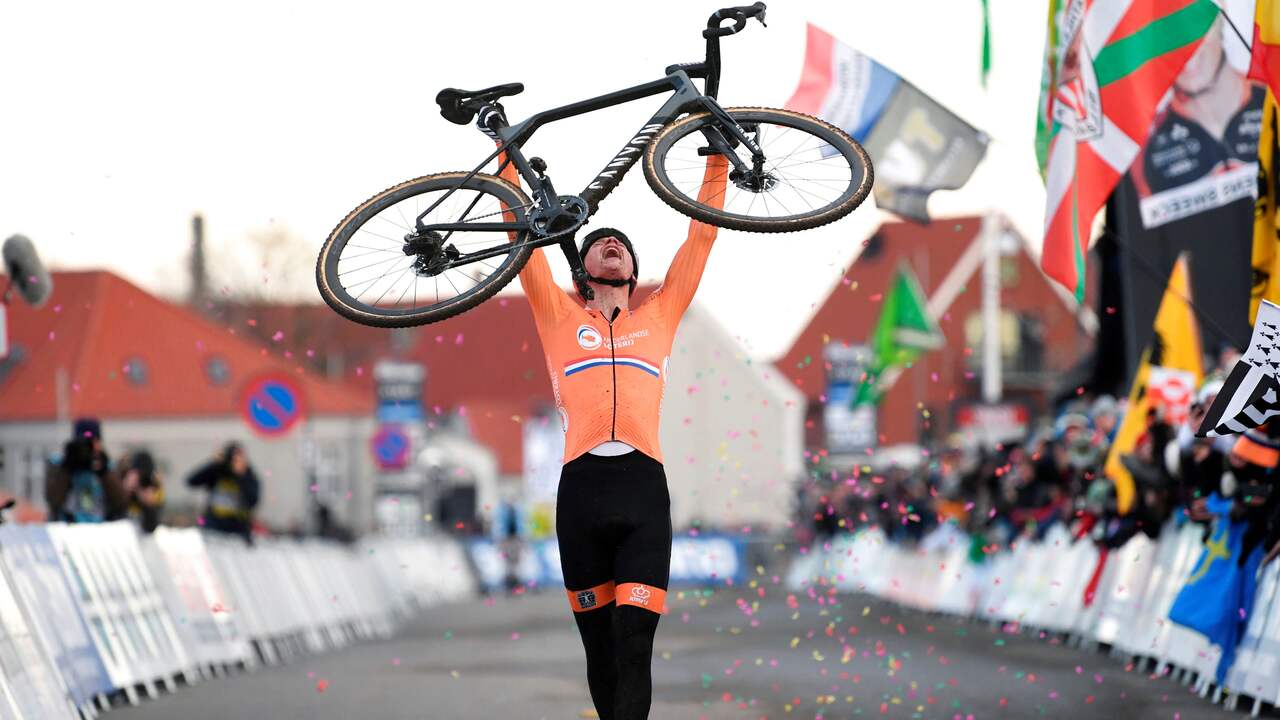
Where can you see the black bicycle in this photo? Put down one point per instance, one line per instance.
(439, 245)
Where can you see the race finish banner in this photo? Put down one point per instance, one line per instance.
(1191, 189)
(918, 146)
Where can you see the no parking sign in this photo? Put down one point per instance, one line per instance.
(271, 404)
(390, 447)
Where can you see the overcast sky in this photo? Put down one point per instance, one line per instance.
(122, 119)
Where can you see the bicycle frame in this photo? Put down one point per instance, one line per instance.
(685, 99)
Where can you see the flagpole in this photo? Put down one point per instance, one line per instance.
(1247, 45)
(991, 368)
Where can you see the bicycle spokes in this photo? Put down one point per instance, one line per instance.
(389, 263)
(798, 172)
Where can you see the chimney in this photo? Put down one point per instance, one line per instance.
(199, 288)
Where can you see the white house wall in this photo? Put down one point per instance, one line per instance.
(732, 432)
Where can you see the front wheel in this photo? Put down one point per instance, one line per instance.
(813, 173)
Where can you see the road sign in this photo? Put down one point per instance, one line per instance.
(271, 404)
(390, 447)
(399, 388)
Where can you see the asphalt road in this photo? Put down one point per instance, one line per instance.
(715, 658)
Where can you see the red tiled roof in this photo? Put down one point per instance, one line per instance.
(937, 378)
(103, 331)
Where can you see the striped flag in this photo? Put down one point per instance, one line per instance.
(1108, 65)
(918, 145)
(1250, 396)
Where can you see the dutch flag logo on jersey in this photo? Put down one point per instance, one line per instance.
(578, 366)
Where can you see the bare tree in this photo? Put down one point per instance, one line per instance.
(270, 265)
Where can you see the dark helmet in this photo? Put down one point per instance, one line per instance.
(605, 232)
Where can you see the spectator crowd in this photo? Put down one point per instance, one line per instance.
(1057, 475)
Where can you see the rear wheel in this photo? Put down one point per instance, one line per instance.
(364, 274)
(813, 172)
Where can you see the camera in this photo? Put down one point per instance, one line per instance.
(80, 455)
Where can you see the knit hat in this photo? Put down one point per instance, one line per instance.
(87, 427)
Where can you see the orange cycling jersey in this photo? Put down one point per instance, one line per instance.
(609, 377)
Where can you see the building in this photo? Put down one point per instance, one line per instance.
(1040, 336)
(161, 377)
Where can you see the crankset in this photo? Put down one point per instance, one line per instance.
(569, 215)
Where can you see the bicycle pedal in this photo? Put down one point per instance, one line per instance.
(707, 151)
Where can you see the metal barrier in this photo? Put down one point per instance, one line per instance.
(118, 599)
(93, 612)
(1041, 586)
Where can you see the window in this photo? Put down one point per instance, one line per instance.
(216, 370)
(31, 461)
(332, 482)
(135, 371)
(1021, 341)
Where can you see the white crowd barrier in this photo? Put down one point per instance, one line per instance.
(1041, 586)
(91, 613)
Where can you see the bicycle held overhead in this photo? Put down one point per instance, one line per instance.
(436, 246)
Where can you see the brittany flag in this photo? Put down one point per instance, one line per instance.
(1108, 66)
(1250, 396)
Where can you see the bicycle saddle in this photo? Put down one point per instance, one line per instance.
(461, 106)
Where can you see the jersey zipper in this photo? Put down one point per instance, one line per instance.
(613, 365)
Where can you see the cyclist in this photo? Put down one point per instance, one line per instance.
(608, 364)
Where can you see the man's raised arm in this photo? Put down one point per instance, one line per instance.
(545, 297)
(685, 271)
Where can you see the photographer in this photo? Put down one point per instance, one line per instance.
(144, 488)
(233, 491)
(82, 487)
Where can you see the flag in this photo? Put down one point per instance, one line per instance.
(1176, 346)
(904, 330)
(1251, 393)
(918, 146)
(1249, 397)
(1109, 64)
(1266, 232)
(1218, 595)
(1265, 65)
(986, 41)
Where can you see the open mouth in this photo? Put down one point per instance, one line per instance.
(612, 252)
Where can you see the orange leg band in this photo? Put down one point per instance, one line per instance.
(642, 596)
(591, 598)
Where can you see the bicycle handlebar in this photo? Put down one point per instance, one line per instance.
(739, 15)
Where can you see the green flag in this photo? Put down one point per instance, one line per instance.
(986, 41)
(905, 329)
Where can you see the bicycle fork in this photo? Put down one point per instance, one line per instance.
(721, 145)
